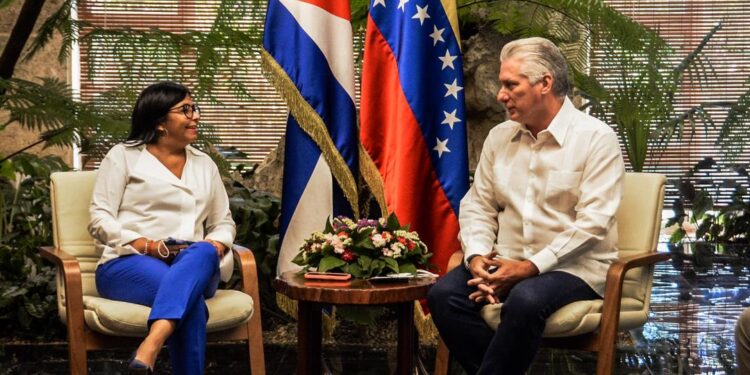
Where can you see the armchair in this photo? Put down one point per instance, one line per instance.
(593, 325)
(96, 323)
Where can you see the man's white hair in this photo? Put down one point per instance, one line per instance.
(539, 56)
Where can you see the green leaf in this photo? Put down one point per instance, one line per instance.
(329, 226)
(677, 236)
(299, 259)
(355, 270)
(35, 308)
(407, 267)
(329, 263)
(376, 267)
(391, 264)
(392, 222)
(365, 262)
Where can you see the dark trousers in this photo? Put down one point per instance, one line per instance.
(510, 349)
(175, 292)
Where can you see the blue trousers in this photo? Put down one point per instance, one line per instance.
(176, 292)
(510, 349)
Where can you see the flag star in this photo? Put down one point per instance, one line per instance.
(401, 4)
(378, 2)
(450, 118)
(437, 35)
(421, 14)
(447, 60)
(441, 147)
(453, 88)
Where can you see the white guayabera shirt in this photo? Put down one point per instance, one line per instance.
(551, 200)
(137, 196)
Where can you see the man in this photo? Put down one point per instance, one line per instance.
(538, 226)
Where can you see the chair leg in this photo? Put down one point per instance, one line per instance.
(77, 354)
(442, 358)
(605, 361)
(255, 345)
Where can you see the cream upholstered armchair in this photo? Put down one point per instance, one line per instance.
(593, 325)
(94, 322)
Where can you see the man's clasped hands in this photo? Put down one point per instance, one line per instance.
(494, 277)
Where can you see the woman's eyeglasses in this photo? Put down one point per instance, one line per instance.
(189, 110)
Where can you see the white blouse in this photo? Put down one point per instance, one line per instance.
(551, 200)
(137, 196)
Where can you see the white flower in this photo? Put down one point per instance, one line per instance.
(378, 240)
(397, 249)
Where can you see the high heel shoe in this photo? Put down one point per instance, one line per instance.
(136, 367)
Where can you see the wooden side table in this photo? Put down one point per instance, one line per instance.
(311, 296)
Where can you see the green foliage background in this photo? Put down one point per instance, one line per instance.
(28, 305)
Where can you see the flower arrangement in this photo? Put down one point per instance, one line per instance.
(364, 249)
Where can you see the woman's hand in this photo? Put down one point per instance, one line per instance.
(143, 245)
(220, 248)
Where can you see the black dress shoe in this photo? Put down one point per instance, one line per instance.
(136, 367)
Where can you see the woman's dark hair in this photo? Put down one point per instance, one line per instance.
(151, 109)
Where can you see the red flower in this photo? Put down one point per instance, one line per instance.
(342, 234)
(410, 245)
(348, 256)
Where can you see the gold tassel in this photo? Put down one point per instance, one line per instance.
(374, 180)
(287, 305)
(428, 333)
(313, 125)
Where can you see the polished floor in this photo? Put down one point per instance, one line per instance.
(690, 331)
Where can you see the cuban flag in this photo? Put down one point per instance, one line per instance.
(307, 55)
(412, 116)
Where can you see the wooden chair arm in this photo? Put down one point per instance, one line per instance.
(248, 269)
(455, 260)
(613, 288)
(249, 274)
(70, 269)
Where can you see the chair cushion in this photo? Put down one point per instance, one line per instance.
(226, 309)
(577, 318)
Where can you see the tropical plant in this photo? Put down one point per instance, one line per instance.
(204, 60)
(641, 101)
(574, 25)
(727, 225)
(28, 305)
(256, 215)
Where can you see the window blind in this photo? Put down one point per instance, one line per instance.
(252, 126)
(682, 24)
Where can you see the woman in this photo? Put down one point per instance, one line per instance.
(150, 188)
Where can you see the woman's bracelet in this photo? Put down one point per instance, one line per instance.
(145, 249)
(159, 245)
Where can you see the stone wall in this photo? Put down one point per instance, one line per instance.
(43, 64)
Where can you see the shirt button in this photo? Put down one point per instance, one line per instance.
(526, 222)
